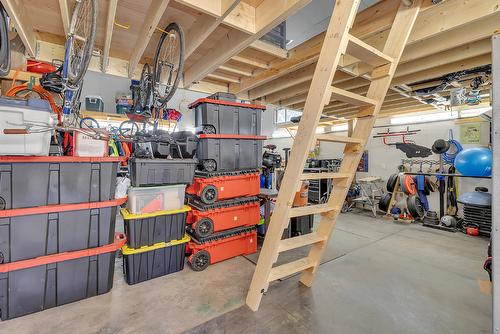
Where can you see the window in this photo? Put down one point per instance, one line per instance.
(285, 115)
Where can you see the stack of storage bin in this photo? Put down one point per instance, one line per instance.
(155, 217)
(57, 231)
(225, 209)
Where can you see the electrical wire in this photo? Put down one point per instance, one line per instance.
(44, 95)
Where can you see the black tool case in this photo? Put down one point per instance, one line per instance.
(157, 172)
(227, 116)
(38, 284)
(145, 263)
(34, 232)
(151, 228)
(56, 180)
(229, 152)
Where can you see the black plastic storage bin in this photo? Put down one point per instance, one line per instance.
(227, 117)
(151, 228)
(157, 172)
(34, 232)
(145, 263)
(229, 152)
(35, 285)
(56, 180)
(301, 225)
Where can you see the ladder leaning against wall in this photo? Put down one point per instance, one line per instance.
(338, 42)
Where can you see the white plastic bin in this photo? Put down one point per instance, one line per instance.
(152, 199)
(18, 114)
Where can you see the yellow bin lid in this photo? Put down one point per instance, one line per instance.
(128, 216)
(126, 250)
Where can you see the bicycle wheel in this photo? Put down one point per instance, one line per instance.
(4, 44)
(128, 129)
(142, 99)
(82, 30)
(89, 123)
(168, 64)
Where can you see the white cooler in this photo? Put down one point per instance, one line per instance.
(16, 114)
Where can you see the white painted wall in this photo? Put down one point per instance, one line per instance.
(383, 160)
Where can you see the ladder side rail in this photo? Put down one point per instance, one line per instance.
(336, 40)
(396, 41)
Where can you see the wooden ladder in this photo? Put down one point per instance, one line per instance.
(338, 42)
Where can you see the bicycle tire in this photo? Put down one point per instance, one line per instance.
(89, 120)
(156, 77)
(128, 132)
(73, 78)
(143, 97)
(4, 44)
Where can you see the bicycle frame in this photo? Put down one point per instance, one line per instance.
(68, 93)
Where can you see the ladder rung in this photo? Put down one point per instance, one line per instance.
(311, 209)
(290, 268)
(351, 98)
(367, 53)
(339, 139)
(326, 175)
(300, 241)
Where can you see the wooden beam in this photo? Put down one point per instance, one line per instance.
(110, 22)
(468, 33)
(24, 27)
(235, 70)
(222, 77)
(63, 6)
(240, 16)
(204, 27)
(250, 61)
(456, 54)
(372, 32)
(443, 70)
(209, 7)
(270, 49)
(235, 41)
(153, 16)
(289, 80)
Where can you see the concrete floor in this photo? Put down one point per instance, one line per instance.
(379, 277)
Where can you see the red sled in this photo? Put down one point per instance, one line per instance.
(205, 219)
(217, 186)
(221, 246)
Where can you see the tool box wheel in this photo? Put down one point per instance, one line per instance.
(209, 129)
(209, 165)
(204, 227)
(209, 194)
(200, 260)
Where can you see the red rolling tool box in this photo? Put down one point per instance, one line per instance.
(205, 219)
(217, 186)
(221, 246)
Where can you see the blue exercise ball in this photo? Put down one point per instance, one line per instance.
(474, 161)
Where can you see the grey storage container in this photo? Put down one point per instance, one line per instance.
(229, 153)
(56, 180)
(145, 263)
(55, 280)
(149, 229)
(157, 172)
(56, 229)
(227, 117)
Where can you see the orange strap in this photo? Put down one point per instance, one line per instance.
(44, 94)
(61, 208)
(120, 240)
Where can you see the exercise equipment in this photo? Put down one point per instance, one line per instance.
(415, 207)
(449, 221)
(476, 161)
